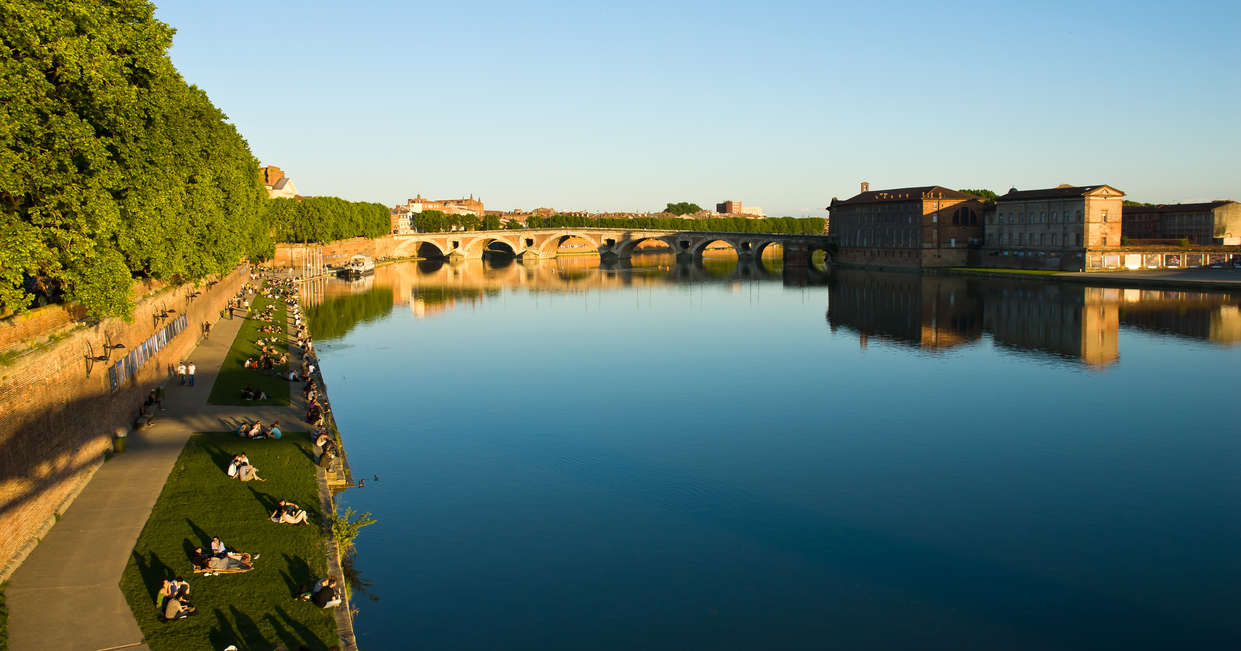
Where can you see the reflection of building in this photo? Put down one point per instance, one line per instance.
(1215, 222)
(906, 227)
(1213, 317)
(932, 312)
(1052, 228)
(462, 206)
(1058, 318)
(278, 185)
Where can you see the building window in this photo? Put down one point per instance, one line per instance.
(1104, 240)
(1104, 215)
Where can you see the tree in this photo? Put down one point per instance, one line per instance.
(491, 223)
(683, 208)
(985, 195)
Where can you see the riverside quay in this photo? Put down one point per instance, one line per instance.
(1067, 228)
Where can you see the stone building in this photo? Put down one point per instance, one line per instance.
(1052, 228)
(736, 208)
(400, 219)
(1213, 222)
(928, 226)
(462, 206)
(278, 185)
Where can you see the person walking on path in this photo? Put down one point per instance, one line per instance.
(191, 369)
(181, 373)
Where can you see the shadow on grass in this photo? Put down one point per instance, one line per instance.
(308, 636)
(299, 574)
(153, 572)
(223, 633)
(268, 502)
(248, 629)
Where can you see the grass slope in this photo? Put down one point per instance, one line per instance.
(4, 622)
(234, 376)
(254, 610)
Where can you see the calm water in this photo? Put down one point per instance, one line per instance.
(705, 458)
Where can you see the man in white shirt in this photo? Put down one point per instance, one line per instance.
(191, 369)
(181, 373)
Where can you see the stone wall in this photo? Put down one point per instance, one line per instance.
(337, 253)
(56, 420)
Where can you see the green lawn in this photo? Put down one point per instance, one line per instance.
(256, 609)
(234, 376)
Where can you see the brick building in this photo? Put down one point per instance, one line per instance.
(926, 226)
(462, 206)
(1213, 222)
(735, 208)
(278, 185)
(1052, 228)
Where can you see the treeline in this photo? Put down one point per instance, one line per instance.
(781, 225)
(435, 221)
(325, 219)
(111, 166)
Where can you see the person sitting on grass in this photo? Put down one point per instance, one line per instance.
(274, 432)
(289, 513)
(256, 432)
(178, 587)
(218, 550)
(249, 393)
(176, 608)
(323, 593)
(240, 468)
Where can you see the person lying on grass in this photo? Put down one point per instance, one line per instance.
(289, 513)
(204, 562)
(178, 587)
(220, 551)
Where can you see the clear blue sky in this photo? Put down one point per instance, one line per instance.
(630, 105)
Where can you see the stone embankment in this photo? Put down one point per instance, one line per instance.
(58, 406)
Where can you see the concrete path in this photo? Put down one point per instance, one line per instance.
(66, 595)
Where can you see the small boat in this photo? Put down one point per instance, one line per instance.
(358, 266)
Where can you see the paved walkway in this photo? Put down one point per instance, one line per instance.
(66, 595)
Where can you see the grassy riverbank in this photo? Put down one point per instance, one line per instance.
(234, 376)
(256, 609)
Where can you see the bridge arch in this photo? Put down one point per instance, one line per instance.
(553, 242)
(474, 248)
(419, 247)
(698, 248)
(628, 247)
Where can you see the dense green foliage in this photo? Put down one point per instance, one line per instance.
(326, 219)
(111, 165)
(234, 376)
(1126, 202)
(986, 195)
(683, 208)
(435, 221)
(783, 225)
(255, 609)
(337, 315)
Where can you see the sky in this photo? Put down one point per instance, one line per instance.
(628, 106)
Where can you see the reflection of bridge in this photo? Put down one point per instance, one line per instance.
(612, 244)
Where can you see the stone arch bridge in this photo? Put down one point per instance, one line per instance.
(612, 244)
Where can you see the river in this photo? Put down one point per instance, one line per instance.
(704, 457)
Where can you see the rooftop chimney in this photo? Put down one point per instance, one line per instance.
(865, 186)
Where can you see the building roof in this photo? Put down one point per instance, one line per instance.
(1178, 207)
(902, 194)
(1059, 192)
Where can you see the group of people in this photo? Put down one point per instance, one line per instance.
(186, 372)
(241, 469)
(174, 593)
(259, 431)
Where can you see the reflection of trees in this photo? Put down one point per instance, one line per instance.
(337, 315)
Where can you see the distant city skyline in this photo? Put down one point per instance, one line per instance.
(783, 105)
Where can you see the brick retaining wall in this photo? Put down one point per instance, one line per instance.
(56, 421)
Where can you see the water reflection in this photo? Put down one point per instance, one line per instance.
(1061, 320)
(1057, 320)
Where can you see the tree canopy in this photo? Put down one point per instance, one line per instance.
(326, 219)
(981, 194)
(683, 208)
(111, 166)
